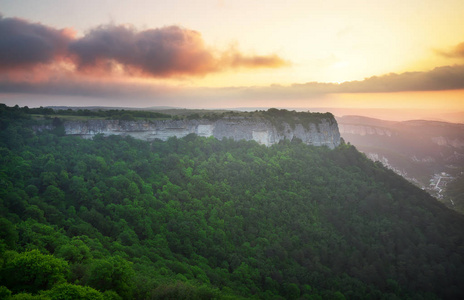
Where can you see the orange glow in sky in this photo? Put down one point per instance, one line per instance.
(219, 53)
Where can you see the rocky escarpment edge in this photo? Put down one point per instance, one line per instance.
(322, 133)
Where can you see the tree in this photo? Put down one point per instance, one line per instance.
(55, 196)
(75, 252)
(114, 273)
(8, 233)
(67, 291)
(32, 271)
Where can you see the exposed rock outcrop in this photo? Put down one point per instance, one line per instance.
(323, 133)
(450, 142)
(364, 130)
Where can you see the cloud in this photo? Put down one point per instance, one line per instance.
(440, 78)
(116, 49)
(234, 59)
(98, 88)
(37, 59)
(455, 52)
(24, 44)
(159, 52)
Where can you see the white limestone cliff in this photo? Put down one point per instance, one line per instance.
(323, 133)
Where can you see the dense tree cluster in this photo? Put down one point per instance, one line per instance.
(277, 117)
(118, 114)
(198, 218)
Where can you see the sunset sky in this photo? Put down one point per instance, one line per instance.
(386, 54)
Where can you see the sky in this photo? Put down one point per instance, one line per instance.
(372, 56)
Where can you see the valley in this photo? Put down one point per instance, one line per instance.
(429, 154)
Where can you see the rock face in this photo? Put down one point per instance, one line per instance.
(364, 130)
(450, 142)
(323, 133)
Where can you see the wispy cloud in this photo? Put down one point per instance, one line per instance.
(455, 52)
(441, 78)
(234, 59)
(161, 52)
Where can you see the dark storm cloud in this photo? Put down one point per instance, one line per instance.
(24, 44)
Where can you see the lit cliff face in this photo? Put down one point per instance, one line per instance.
(324, 133)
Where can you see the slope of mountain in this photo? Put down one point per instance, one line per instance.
(198, 218)
(428, 153)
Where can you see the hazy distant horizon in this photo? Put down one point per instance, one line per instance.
(386, 114)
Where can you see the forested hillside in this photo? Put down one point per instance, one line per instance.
(198, 218)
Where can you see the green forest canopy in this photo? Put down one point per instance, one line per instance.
(198, 218)
(275, 116)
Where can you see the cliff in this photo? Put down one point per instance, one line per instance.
(321, 132)
(363, 130)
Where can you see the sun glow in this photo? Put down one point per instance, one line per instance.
(229, 54)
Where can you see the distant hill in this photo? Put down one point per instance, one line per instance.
(417, 149)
